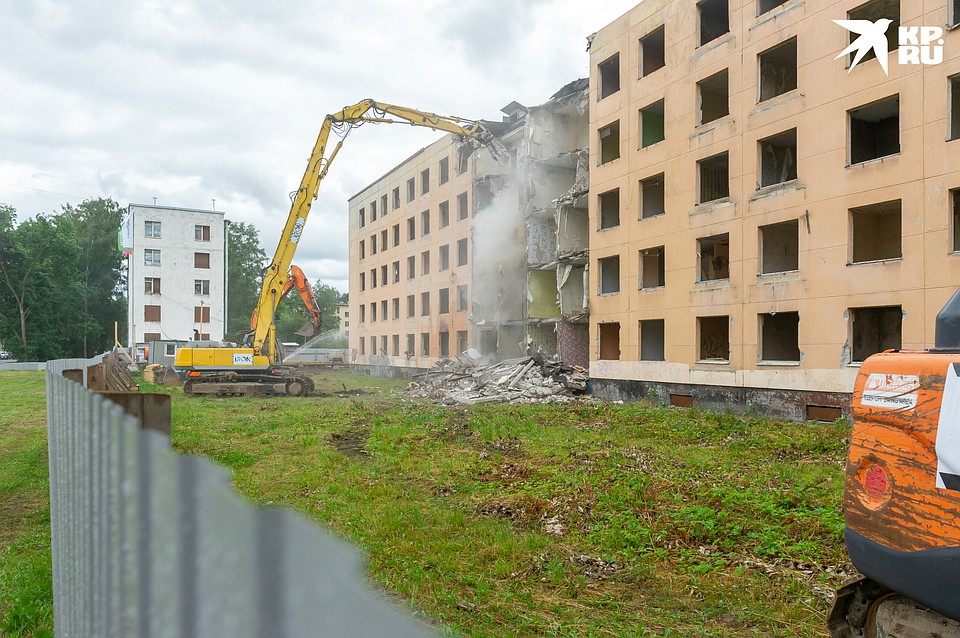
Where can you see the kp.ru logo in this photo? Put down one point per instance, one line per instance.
(918, 45)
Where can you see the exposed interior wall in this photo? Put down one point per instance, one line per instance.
(542, 339)
(573, 231)
(779, 338)
(573, 343)
(542, 294)
(572, 285)
(541, 239)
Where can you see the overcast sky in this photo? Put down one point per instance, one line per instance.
(189, 102)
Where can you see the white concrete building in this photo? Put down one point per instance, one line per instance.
(176, 275)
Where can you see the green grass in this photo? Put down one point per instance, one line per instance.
(573, 520)
(26, 593)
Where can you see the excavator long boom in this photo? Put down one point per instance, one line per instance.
(341, 124)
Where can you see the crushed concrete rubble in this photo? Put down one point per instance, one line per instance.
(533, 379)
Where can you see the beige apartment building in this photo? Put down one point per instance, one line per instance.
(762, 216)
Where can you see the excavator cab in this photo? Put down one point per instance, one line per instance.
(902, 493)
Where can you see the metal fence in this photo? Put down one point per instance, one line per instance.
(150, 543)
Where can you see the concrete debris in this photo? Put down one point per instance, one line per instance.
(524, 380)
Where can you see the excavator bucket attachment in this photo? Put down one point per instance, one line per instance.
(309, 330)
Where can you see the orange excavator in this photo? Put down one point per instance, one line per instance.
(902, 493)
(299, 281)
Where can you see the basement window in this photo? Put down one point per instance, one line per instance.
(763, 6)
(714, 339)
(874, 330)
(396, 198)
(444, 170)
(411, 306)
(955, 104)
(445, 257)
(609, 275)
(713, 95)
(411, 189)
(714, 174)
(652, 52)
(651, 124)
(873, 11)
(651, 196)
(651, 340)
(608, 73)
(714, 20)
(714, 256)
(955, 199)
(609, 204)
(444, 214)
(779, 247)
(652, 271)
(610, 142)
(875, 130)
(780, 337)
(778, 70)
(876, 232)
(609, 341)
(778, 158)
(425, 181)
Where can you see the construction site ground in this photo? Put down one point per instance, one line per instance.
(575, 519)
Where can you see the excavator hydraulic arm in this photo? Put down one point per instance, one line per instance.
(299, 282)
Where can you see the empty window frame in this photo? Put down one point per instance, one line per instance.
(373, 244)
(778, 70)
(383, 275)
(954, 12)
(876, 232)
(651, 124)
(373, 311)
(201, 260)
(875, 130)
(609, 142)
(778, 158)
(411, 189)
(779, 247)
(396, 309)
(714, 20)
(652, 340)
(444, 343)
(396, 198)
(363, 314)
(151, 285)
(779, 337)
(396, 235)
(444, 214)
(874, 330)
(444, 257)
(396, 272)
(201, 287)
(444, 170)
(425, 223)
(425, 262)
(444, 301)
(425, 181)
(652, 196)
(713, 97)
(609, 275)
(383, 239)
(396, 346)
(363, 281)
(955, 203)
(373, 277)
(462, 343)
(461, 298)
(713, 339)
(609, 206)
(383, 205)
(713, 255)
(954, 89)
(462, 252)
(363, 344)
(652, 268)
(151, 230)
(763, 6)
(151, 257)
(411, 306)
(363, 249)
(873, 11)
(609, 341)
(373, 211)
(424, 304)
(411, 267)
(410, 345)
(608, 73)
(424, 344)
(383, 345)
(411, 229)
(652, 52)
(713, 174)
(363, 217)
(151, 313)
(383, 310)
(462, 211)
(201, 233)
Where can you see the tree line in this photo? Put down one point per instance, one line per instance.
(63, 282)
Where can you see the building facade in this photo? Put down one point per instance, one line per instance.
(176, 274)
(763, 217)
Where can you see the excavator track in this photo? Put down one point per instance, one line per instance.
(230, 385)
(866, 609)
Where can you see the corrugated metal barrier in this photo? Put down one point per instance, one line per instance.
(150, 543)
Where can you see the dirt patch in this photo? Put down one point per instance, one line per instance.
(19, 513)
(504, 472)
(508, 446)
(526, 511)
(352, 441)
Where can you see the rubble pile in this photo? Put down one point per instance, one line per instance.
(523, 380)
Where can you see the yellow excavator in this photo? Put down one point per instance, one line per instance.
(252, 368)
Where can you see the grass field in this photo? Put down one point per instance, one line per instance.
(576, 520)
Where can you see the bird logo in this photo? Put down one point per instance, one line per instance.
(873, 35)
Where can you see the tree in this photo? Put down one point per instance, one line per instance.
(328, 298)
(245, 264)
